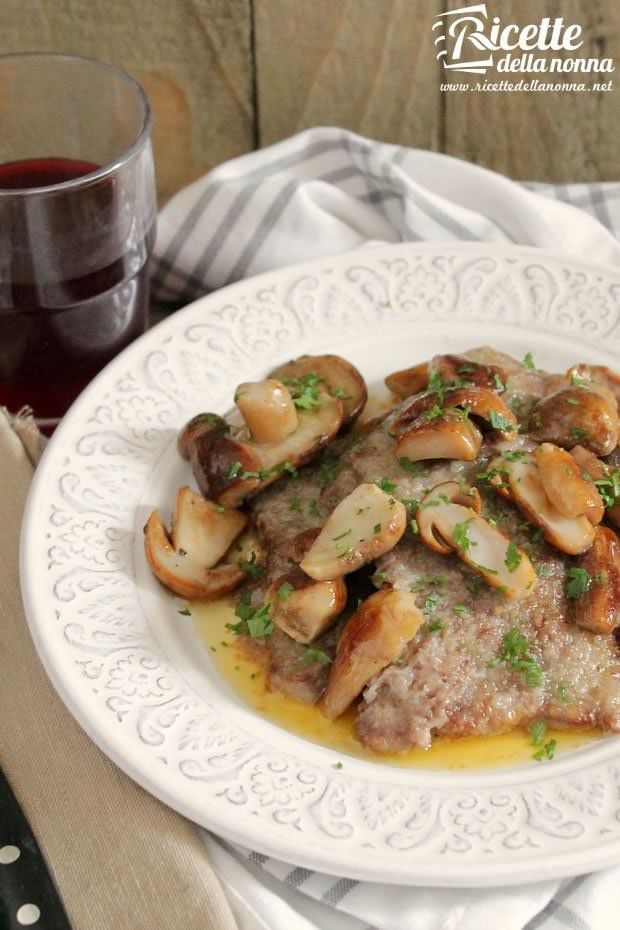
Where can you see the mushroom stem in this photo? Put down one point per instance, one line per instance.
(267, 408)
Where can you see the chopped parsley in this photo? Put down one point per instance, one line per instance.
(578, 433)
(412, 468)
(315, 656)
(474, 585)
(461, 610)
(377, 528)
(516, 654)
(285, 590)
(513, 455)
(562, 691)
(461, 537)
(235, 469)
(609, 487)
(256, 623)
(528, 361)
(572, 401)
(185, 612)
(342, 535)
(499, 421)
(313, 507)
(576, 381)
(343, 551)
(499, 384)
(547, 751)
(434, 412)
(251, 566)
(435, 626)
(304, 390)
(340, 393)
(513, 558)
(386, 485)
(413, 525)
(295, 505)
(538, 731)
(431, 602)
(579, 581)
(338, 765)
(328, 471)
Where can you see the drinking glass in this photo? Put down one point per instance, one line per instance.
(77, 225)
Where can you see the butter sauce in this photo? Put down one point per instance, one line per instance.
(247, 679)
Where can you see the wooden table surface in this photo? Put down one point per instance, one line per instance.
(226, 76)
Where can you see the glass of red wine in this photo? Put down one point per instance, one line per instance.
(77, 225)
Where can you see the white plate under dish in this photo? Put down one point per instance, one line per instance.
(144, 688)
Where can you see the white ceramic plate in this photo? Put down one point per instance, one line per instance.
(129, 668)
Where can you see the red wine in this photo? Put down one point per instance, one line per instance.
(73, 281)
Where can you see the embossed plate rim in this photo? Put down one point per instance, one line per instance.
(385, 864)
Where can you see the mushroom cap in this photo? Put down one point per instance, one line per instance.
(202, 529)
(229, 469)
(448, 492)
(341, 378)
(563, 482)
(410, 381)
(365, 524)
(203, 424)
(182, 574)
(305, 608)
(572, 535)
(373, 638)
(598, 608)
(600, 374)
(480, 402)
(447, 437)
(448, 527)
(572, 415)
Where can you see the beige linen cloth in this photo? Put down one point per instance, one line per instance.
(120, 858)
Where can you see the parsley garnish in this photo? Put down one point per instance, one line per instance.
(313, 656)
(572, 401)
(255, 623)
(313, 507)
(499, 384)
(434, 412)
(547, 751)
(234, 470)
(304, 390)
(340, 393)
(431, 602)
(513, 455)
(576, 381)
(516, 654)
(295, 505)
(377, 528)
(285, 590)
(251, 566)
(413, 525)
(578, 432)
(386, 485)
(462, 610)
(562, 691)
(499, 421)
(185, 612)
(609, 487)
(578, 583)
(513, 558)
(461, 537)
(528, 361)
(342, 535)
(435, 626)
(538, 731)
(412, 468)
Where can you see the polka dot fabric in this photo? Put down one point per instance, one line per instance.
(28, 897)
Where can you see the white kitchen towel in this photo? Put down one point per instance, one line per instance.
(322, 192)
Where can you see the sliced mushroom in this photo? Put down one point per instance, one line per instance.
(572, 535)
(305, 608)
(363, 526)
(203, 530)
(480, 402)
(599, 373)
(409, 381)
(267, 408)
(451, 527)
(373, 637)
(229, 469)
(341, 378)
(299, 545)
(182, 574)
(202, 425)
(577, 415)
(598, 608)
(588, 462)
(449, 492)
(448, 437)
(569, 492)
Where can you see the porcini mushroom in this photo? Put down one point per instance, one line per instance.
(201, 534)
(305, 608)
(598, 607)
(228, 469)
(340, 377)
(373, 637)
(569, 492)
(365, 525)
(478, 402)
(446, 526)
(447, 437)
(410, 381)
(521, 481)
(202, 425)
(267, 408)
(598, 373)
(578, 415)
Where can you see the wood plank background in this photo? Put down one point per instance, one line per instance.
(226, 76)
